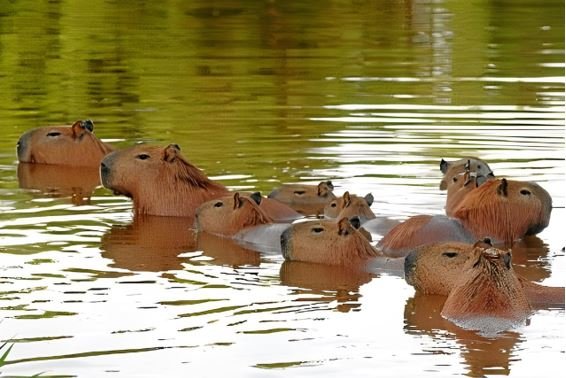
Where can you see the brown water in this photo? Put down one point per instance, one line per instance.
(368, 94)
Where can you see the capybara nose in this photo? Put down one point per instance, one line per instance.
(22, 148)
(104, 172)
(88, 124)
(286, 243)
(410, 265)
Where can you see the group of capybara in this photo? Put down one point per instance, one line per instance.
(464, 255)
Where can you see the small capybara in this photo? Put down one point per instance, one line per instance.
(350, 205)
(74, 145)
(161, 181)
(436, 268)
(327, 242)
(304, 198)
(488, 296)
(481, 170)
(229, 215)
(459, 184)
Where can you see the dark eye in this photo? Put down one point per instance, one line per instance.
(218, 204)
(333, 204)
(317, 230)
(299, 192)
(525, 192)
(450, 254)
(479, 167)
(143, 156)
(454, 179)
(53, 133)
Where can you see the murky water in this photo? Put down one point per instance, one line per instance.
(368, 94)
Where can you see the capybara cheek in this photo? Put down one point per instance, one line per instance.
(410, 268)
(286, 244)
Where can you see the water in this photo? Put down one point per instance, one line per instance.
(368, 94)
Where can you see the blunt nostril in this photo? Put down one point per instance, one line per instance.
(409, 266)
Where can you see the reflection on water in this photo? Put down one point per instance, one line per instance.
(367, 95)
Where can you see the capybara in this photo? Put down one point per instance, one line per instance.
(459, 185)
(505, 210)
(51, 180)
(327, 242)
(436, 268)
(479, 167)
(304, 198)
(161, 181)
(228, 215)
(74, 145)
(350, 205)
(488, 296)
(422, 230)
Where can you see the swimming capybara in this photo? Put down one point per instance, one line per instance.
(458, 185)
(304, 198)
(161, 181)
(422, 230)
(479, 168)
(226, 216)
(327, 242)
(505, 210)
(488, 296)
(74, 145)
(436, 268)
(350, 205)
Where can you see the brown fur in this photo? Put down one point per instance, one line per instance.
(304, 198)
(436, 268)
(162, 182)
(488, 287)
(505, 210)
(350, 205)
(74, 145)
(229, 215)
(421, 230)
(159, 180)
(479, 167)
(326, 242)
(459, 185)
(78, 183)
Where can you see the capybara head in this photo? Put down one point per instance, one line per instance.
(159, 180)
(435, 268)
(304, 193)
(228, 215)
(74, 145)
(505, 210)
(488, 289)
(478, 168)
(350, 205)
(458, 185)
(326, 242)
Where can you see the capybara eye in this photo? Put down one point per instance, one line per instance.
(525, 192)
(219, 204)
(454, 179)
(53, 133)
(333, 204)
(143, 156)
(299, 192)
(450, 254)
(317, 230)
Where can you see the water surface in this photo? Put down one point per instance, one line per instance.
(367, 94)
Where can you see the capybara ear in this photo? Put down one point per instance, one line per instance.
(502, 188)
(355, 222)
(369, 199)
(238, 202)
(256, 196)
(78, 129)
(89, 125)
(171, 152)
(344, 227)
(444, 165)
(347, 199)
(324, 187)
